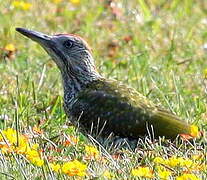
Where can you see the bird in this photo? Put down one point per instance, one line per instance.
(93, 101)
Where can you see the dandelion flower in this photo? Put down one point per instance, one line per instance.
(92, 151)
(188, 177)
(172, 161)
(10, 135)
(39, 162)
(22, 5)
(34, 157)
(158, 160)
(55, 167)
(187, 163)
(10, 47)
(142, 172)
(74, 168)
(164, 174)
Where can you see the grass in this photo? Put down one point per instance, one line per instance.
(157, 47)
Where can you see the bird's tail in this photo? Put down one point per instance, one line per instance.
(168, 125)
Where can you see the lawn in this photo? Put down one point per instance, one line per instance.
(158, 47)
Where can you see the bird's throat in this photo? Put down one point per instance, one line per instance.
(73, 84)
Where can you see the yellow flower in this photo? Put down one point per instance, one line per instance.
(20, 145)
(74, 168)
(142, 172)
(39, 162)
(22, 5)
(10, 135)
(22, 140)
(178, 161)
(75, 2)
(35, 146)
(187, 163)
(26, 6)
(92, 151)
(54, 167)
(188, 177)
(34, 157)
(10, 47)
(159, 160)
(22, 149)
(194, 131)
(164, 174)
(173, 161)
(32, 154)
(16, 3)
(107, 175)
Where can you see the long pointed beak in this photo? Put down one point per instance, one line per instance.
(39, 37)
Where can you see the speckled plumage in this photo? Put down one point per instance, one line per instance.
(121, 110)
(102, 104)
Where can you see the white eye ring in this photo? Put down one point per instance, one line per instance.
(68, 44)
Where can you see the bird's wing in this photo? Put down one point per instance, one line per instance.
(126, 111)
(103, 108)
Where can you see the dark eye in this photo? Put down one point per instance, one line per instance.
(68, 44)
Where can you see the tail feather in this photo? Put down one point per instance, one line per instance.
(168, 125)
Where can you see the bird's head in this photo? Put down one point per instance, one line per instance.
(70, 52)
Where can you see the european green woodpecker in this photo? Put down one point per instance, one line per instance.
(94, 101)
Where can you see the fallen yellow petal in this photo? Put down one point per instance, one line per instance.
(10, 47)
(194, 131)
